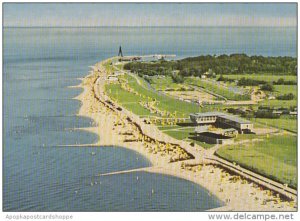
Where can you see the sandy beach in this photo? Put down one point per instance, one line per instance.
(116, 126)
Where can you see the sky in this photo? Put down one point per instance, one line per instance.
(155, 14)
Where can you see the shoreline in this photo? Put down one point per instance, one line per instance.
(118, 128)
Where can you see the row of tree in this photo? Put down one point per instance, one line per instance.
(250, 82)
(223, 64)
(288, 96)
(241, 63)
(253, 82)
(281, 81)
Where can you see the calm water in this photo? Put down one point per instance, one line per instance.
(39, 112)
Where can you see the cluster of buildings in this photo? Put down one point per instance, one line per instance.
(278, 111)
(130, 58)
(114, 76)
(231, 126)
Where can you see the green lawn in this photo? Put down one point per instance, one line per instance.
(166, 103)
(275, 157)
(185, 134)
(287, 123)
(137, 109)
(203, 144)
(190, 129)
(165, 83)
(246, 137)
(116, 92)
(286, 89)
(126, 99)
(180, 135)
(107, 65)
(119, 66)
(217, 89)
(279, 103)
(169, 127)
(262, 77)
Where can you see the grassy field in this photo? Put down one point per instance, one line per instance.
(189, 129)
(279, 103)
(246, 137)
(119, 66)
(275, 157)
(183, 109)
(217, 89)
(184, 135)
(203, 144)
(168, 127)
(166, 103)
(285, 123)
(180, 135)
(116, 92)
(109, 68)
(262, 77)
(126, 99)
(285, 89)
(137, 109)
(165, 83)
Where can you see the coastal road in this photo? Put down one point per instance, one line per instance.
(259, 179)
(210, 154)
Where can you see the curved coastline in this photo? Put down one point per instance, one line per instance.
(210, 177)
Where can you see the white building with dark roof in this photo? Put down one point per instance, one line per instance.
(223, 119)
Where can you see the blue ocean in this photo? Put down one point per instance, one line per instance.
(39, 116)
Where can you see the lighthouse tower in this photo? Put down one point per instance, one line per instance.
(120, 52)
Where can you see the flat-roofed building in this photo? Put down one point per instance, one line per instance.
(213, 138)
(204, 118)
(118, 73)
(224, 120)
(112, 78)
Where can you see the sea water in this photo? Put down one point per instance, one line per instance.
(42, 171)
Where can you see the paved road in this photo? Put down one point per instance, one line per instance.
(259, 179)
(266, 182)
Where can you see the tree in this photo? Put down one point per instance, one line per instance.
(288, 96)
(221, 78)
(184, 72)
(267, 87)
(280, 81)
(266, 114)
(223, 64)
(177, 78)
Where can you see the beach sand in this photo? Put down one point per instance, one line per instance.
(115, 129)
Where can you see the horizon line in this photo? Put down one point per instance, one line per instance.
(158, 26)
